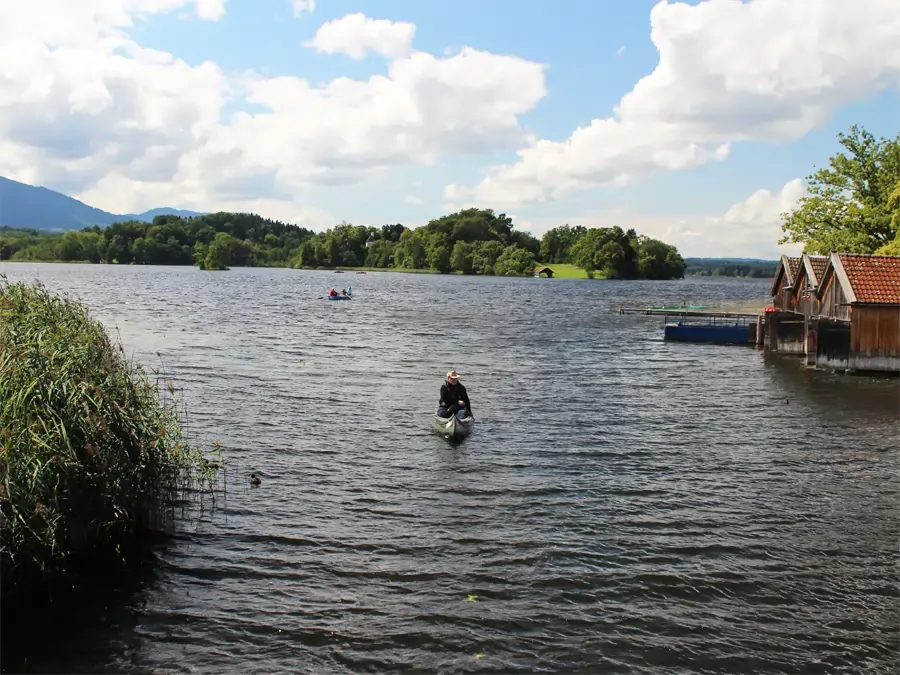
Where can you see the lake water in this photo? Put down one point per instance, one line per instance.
(624, 505)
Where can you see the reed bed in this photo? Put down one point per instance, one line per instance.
(92, 452)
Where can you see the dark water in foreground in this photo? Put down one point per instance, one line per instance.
(623, 506)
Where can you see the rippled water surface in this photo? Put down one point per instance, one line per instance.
(624, 505)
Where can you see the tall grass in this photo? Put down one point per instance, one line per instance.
(91, 453)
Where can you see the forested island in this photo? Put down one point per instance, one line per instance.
(471, 241)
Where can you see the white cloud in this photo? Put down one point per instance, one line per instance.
(748, 229)
(716, 83)
(87, 110)
(211, 10)
(357, 35)
(620, 50)
(412, 199)
(300, 6)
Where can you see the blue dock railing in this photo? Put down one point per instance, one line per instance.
(686, 325)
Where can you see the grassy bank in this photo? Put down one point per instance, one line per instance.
(91, 454)
(561, 271)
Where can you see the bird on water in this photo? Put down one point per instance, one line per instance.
(254, 479)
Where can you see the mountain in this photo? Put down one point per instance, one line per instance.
(40, 208)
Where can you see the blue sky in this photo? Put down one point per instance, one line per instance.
(594, 52)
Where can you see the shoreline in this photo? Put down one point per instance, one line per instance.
(568, 272)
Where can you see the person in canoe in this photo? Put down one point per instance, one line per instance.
(332, 292)
(346, 294)
(454, 398)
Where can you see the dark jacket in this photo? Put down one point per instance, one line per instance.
(452, 394)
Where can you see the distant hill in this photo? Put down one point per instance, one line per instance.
(27, 206)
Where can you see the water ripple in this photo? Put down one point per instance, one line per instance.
(625, 505)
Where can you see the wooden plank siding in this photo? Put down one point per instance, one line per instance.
(875, 332)
(783, 296)
(833, 302)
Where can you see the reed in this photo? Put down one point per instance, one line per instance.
(92, 452)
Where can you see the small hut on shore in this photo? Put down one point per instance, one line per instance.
(543, 271)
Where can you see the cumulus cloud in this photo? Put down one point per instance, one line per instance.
(412, 199)
(357, 35)
(82, 104)
(750, 228)
(728, 71)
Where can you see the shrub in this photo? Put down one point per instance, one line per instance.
(90, 451)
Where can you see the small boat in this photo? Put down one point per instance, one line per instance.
(339, 271)
(339, 297)
(453, 427)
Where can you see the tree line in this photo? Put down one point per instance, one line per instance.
(719, 267)
(853, 205)
(471, 241)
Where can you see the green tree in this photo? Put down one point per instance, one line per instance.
(485, 255)
(657, 260)
(847, 208)
(607, 250)
(218, 255)
(514, 261)
(461, 258)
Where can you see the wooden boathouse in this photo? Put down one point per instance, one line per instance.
(543, 271)
(842, 312)
(837, 312)
(782, 286)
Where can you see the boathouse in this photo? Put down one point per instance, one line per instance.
(782, 286)
(857, 327)
(785, 325)
(804, 289)
(543, 271)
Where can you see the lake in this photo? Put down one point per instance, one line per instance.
(624, 505)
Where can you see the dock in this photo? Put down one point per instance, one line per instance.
(701, 325)
(666, 311)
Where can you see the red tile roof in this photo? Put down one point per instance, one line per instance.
(792, 268)
(818, 263)
(874, 279)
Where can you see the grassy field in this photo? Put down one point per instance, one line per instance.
(567, 272)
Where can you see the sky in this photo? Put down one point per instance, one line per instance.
(694, 122)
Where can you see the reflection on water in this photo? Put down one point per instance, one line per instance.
(625, 504)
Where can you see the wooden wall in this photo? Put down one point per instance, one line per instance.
(875, 338)
(834, 302)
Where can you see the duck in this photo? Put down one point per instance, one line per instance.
(254, 479)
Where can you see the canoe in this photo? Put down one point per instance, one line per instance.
(453, 427)
(338, 297)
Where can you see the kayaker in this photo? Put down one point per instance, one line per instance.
(454, 398)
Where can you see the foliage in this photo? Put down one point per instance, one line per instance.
(556, 244)
(612, 253)
(471, 241)
(848, 207)
(168, 240)
(89, 452)
(728, 267)
(219, 253)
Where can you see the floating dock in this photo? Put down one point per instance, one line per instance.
(688, 325)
